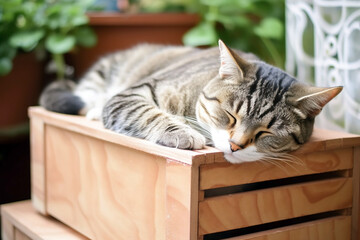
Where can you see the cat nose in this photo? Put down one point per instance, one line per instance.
(234, 147)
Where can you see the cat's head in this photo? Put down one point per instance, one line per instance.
(255, 110)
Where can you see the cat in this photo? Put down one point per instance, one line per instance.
(184, 97)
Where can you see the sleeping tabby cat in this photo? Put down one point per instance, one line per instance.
(185, 97)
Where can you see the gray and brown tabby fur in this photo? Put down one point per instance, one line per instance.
(185, 97)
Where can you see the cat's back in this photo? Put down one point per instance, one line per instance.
(149, 61)
(145, 59)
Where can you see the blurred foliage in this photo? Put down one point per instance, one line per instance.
(55, 26)
(155, 6)
(255, 26)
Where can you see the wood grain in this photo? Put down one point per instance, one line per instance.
(227, 174)
(212, 155)
(104, 190)
(22, 217)
(181, 201)
(110, 186)
(8, 230)
(356, 196)
(20, 235)
(95, 129)
(335, 228)
(262, 206)
(37, 143)
(321, 140)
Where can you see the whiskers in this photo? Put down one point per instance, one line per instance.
(284, 161)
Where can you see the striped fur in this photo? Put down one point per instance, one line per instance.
(186, 97)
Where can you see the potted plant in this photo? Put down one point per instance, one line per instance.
(54, 26)
(134, 22)
(252, 26)
(30, 28)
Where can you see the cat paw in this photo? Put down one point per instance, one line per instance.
(185, 138)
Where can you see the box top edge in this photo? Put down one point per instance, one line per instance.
(95, 129)
(321, 139)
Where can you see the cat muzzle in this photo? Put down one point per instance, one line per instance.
(234, 147)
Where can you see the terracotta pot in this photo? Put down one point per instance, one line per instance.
(117, 31)
(19, 90)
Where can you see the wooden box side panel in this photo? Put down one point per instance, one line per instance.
(356, 196)
(20, 235)
(182, 184)
(37, 143)
(226, 174)
(104, 190)
(251, 208)
(336, 228)
(95, 129)
(7, 229)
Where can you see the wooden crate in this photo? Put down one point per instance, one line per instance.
(109, 186)
(21, 222)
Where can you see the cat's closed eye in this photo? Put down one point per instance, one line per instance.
(261, 134)
(232, 119)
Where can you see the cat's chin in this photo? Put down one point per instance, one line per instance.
(248, 154)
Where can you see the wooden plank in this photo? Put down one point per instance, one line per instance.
(209, 158)
(95, 129)
(37, 143)
(335, 228)
(356, 196)
(20, 235)
(8, 231)
(212, 155)
(321, 140)
(182, 184)
(102, 189)
(226, 174)
(23, 217)
(229, 212)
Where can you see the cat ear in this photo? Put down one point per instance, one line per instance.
(231, 63)
(310, 102)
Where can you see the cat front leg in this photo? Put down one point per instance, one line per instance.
(138, 116)
(179, 136)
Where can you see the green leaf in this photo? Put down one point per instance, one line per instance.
(39, 18)
(59, 43)
(201, 35)
(7, 51)
(270, 28)
(29, 8)
(79, 20)
(6, 4)
(85, 36)
(27, 40)
(59, 15)
(85, 3)
(218, 3)
(239, 21)
(5, 66)
(54, 9)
